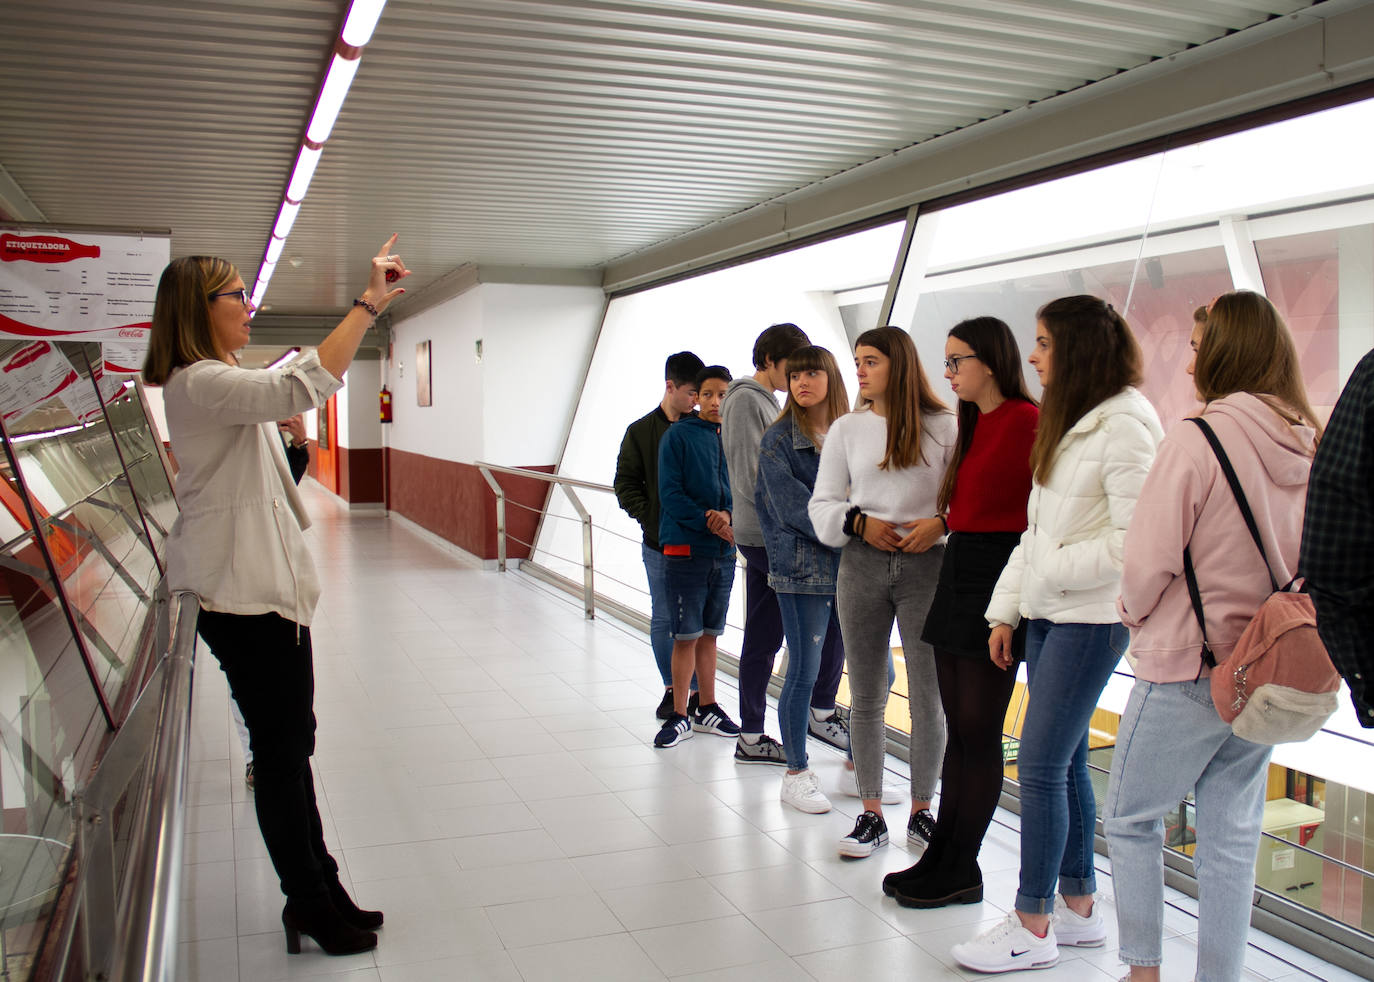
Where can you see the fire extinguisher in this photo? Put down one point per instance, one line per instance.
(385, 405)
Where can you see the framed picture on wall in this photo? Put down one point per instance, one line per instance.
(423, 396)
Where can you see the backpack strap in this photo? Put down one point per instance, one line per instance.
(1209, 660)
(1236, 490)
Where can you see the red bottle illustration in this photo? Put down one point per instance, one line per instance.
(44, 249)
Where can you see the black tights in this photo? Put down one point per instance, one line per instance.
(975, 694)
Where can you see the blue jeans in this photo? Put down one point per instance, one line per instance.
(660, 637)
(808, 619)
(1068, 666)
(699, 594)
(1171, 742)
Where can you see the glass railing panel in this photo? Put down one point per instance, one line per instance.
(72, 470)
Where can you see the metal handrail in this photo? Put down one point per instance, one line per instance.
(128, 930)
(567, 484)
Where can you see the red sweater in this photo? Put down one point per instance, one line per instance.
(994, 479)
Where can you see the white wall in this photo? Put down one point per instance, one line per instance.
(514, 406)
(535, 353)
(359, 425)
(451, 428)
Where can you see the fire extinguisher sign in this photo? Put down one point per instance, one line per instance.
(80, 287)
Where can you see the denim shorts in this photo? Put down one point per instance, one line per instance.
(698, 594)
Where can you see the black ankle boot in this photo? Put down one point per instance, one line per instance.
(363, 920)
(316, 918)
(923, 867)
(950, 883)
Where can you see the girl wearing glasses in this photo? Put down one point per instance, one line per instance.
(983, 497)
(237, 545)
(1093, 447)
(876, 493)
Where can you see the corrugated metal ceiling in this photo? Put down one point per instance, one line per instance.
(518, 131)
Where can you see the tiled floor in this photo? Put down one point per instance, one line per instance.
(486, 778)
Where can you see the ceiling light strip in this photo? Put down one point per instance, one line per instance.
(356, 32)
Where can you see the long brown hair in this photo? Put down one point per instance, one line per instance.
(909, 396)
(995, 346)
(1246, 347)
(181, 315)
(1093, 356)
(814, 358)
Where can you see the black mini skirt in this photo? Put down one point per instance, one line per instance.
(956, 621)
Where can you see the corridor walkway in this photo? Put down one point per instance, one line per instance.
(485, 777)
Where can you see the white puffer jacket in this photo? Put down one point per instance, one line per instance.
(1067, 567)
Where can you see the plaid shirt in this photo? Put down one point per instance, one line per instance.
(1338, 538)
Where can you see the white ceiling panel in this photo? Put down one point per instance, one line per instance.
(518, 132)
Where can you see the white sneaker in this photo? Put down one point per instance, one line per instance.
(803, 792)
(849, 785)
(1075, 931)
(1008, 947)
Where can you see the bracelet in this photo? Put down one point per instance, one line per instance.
(851, 521)
(943, 522)
(369, 307)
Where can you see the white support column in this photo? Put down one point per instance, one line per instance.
(911, 278)
(1240, 255)
(1355, 304)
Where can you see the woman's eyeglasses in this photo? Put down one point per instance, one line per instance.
(954, 361)
(242, 294)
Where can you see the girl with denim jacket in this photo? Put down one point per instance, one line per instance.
(1093, 447)
(801, 569)
(983, 500)
(1171, 740)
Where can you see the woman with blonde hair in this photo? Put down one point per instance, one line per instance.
(876, 497)
(237, 545)
(1171, 740)
(801, 569)
(1093, 447)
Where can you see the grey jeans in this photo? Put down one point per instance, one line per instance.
(873, 588)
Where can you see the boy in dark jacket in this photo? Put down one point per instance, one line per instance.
(699, 552)
(636, 490)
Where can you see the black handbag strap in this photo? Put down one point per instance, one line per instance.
(1236, 490)
(1208, 659)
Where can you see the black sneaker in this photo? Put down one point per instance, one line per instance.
(832, 730)
(665, 708)
(712, 719)
(693, 703)
(869, 835)
(920, 828)
(766, 751)
(675, 729)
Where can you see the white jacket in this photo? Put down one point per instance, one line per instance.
(1067, 566)
(237, 542)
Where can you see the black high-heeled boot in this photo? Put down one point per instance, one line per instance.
(921, 868)
(363, 920)
(316, 918)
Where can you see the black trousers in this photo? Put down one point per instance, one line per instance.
(271, 673)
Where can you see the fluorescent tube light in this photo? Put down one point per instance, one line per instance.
(306, 162)
(362, 21)
(332, 95)
(285, 219)
(274, 248)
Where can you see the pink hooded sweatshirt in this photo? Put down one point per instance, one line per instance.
(1186, 501)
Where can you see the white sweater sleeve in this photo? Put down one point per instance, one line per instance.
(830, 499)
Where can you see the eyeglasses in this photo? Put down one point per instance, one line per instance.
(241, 293)
(953, 362)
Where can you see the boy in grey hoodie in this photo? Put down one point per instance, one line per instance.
(750, 408)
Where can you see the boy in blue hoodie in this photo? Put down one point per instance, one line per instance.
(699, 552)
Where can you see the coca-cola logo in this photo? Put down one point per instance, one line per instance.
(44, 249)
